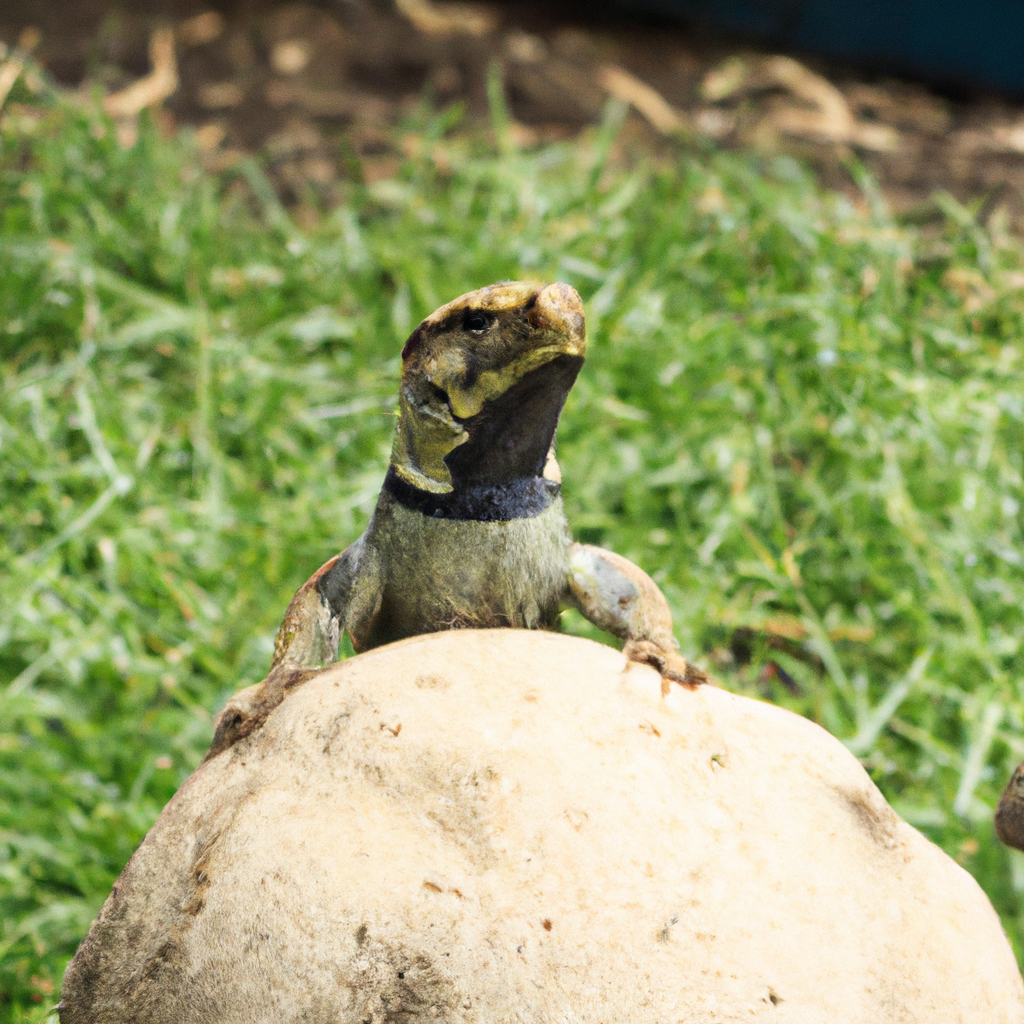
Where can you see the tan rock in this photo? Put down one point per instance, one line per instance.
(492, 826)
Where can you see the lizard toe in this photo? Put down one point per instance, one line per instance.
(671, 665)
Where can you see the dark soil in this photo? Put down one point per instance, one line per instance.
(318, 87)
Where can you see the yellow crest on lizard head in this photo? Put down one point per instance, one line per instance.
(487, 373)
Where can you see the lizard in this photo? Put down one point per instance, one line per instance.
(469, 529)
(1009, 817)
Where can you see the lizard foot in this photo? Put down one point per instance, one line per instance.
(248, 709)
(672, 666)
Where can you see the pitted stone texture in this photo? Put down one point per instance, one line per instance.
(508, 826)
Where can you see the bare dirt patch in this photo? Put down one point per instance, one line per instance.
(319, 88)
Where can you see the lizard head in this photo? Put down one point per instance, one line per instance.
(484, 379)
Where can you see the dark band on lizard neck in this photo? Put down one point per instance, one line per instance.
(485, 503)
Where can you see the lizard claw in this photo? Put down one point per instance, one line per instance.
(672, 666)
(248, 709)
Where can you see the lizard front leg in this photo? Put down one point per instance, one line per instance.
(337, 593)
(619, 597)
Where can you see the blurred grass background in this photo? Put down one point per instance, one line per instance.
(802, 417)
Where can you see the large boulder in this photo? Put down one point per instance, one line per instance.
(497, 826)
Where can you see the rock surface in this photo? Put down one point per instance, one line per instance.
(492, 826)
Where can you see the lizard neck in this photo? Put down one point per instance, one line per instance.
(488, 503)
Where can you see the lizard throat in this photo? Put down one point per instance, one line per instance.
(498, 473)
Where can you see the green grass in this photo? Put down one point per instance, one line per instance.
(803, 418)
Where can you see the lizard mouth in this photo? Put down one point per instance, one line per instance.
(510, 437)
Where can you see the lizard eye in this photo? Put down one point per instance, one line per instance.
(477, 322)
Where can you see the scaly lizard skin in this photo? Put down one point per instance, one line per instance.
(469, 529)
(1009, 820)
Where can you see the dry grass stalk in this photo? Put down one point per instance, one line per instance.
(638, 94)
(11, 69)
(448, 19)
(826, 116)
(157, 86)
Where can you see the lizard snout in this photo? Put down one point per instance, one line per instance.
(558, 308)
